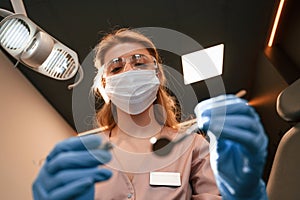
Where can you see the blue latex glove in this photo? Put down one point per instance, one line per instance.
(238, 146)
(71, 170)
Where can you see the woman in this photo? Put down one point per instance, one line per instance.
(140, 109)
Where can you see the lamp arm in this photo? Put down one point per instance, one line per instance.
(5, 13)
(18, 7)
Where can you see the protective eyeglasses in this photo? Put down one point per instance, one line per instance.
(137, 62)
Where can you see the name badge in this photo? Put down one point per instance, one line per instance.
(165, 178)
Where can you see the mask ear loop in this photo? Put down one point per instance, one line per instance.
(156, 68)
(98, 84)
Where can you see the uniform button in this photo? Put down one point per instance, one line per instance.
(129, 195)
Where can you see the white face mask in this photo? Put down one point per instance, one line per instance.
(133, 91)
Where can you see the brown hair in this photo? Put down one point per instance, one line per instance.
(105, 115)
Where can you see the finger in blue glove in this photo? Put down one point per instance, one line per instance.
(71, 170)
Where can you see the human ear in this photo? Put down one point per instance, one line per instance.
(103, 82)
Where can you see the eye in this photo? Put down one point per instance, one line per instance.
(115, 66)
(140, 60)
(140, 64)
(116, 70)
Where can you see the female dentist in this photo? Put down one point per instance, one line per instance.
(138, 108)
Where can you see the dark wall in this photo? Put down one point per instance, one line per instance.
(268, 84)
(285, 52)
(289, 32)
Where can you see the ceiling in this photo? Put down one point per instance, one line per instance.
(242, 26)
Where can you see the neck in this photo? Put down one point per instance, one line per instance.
(143, 125)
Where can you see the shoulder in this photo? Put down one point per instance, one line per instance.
(169, 132)
(200, 146)
(200, 139)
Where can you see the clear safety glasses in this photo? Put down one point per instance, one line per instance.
(136, 61)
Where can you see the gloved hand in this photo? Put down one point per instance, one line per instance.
(238, 146)
(71, 170)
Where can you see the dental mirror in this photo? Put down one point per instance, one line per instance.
(163, 146)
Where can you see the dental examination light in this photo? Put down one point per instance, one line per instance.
(36, 49)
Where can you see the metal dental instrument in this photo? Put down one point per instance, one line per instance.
(104, 146)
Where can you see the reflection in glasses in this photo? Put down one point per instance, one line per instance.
(137, 62)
